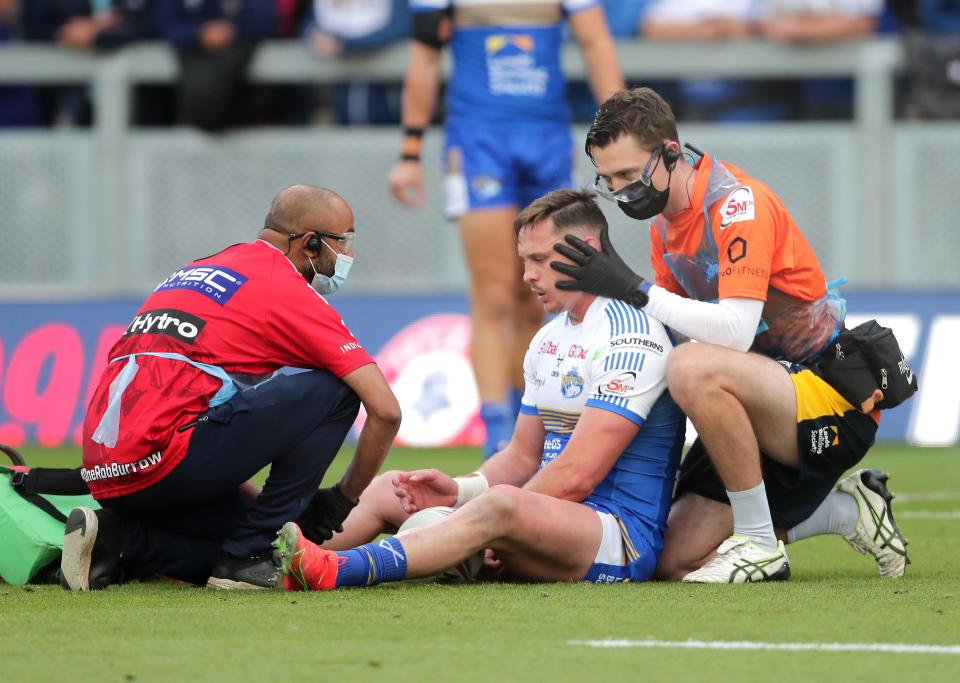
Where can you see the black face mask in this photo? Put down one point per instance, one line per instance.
(641, 201)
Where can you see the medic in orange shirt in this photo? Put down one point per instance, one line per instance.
(735, 273)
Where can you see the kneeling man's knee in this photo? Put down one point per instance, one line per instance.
(686, 371)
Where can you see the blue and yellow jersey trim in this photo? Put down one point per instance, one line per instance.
(560, 421)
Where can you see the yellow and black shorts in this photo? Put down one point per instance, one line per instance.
(832, 437)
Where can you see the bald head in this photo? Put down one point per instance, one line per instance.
(305, 207)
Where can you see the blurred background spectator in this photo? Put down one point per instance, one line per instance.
(335, 28)
(18, 105)
(42, 21)
(111, 25)
(931, 40)
(624, 18)
(215, 41)
(716, 99)
(121, 23)
(820, 21)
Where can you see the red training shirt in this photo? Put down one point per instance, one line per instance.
(247, 310)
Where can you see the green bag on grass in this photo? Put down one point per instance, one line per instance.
(34, 504)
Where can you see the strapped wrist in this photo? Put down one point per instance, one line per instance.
(469, 488)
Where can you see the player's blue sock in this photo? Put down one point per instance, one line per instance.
(373, 563)
(498, 422)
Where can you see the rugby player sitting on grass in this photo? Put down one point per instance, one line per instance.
(582, 490)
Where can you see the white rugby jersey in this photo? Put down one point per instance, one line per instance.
(615, 359)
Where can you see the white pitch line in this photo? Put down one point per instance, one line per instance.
(927, 495)
(927, 514)
(751, 645)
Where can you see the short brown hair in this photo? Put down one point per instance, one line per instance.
(567, 209)
(639, 112)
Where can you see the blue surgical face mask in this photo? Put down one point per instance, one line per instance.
(325, 284)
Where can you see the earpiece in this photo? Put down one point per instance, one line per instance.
(313, 244)
(670, 157)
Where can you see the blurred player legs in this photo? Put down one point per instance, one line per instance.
(504, 315)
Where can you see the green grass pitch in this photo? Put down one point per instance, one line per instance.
(162, 631)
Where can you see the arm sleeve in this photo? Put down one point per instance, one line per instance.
(425, 25)
(731, 323)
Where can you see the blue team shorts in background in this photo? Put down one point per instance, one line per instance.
(490, 165)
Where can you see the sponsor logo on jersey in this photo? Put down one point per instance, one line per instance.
(822, 438)
(737, 250)
(737, 207)
(571, 384)
(640, 342)
(512, 67)
(169, 321)
(749, 271)
(114, 470)
(552, 443)
(498, 42)
(548, 347)
(214, 282)
(621, 385)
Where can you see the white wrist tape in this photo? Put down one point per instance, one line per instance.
(469, 488)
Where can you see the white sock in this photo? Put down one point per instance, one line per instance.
(751, 516)
(837, 514)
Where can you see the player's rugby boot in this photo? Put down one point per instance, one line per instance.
(244, 573)
(876, 531)
(305, 565)
(740, 560)
(91, 551)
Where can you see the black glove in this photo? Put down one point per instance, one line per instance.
(325, 514)
(598, 272)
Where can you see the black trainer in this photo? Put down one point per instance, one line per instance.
(245, 573)
(91, 551)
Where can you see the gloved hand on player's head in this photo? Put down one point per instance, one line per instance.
(598, 272)
(325, 514)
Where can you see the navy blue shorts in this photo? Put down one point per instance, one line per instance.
(294, 423)
(832, 437)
